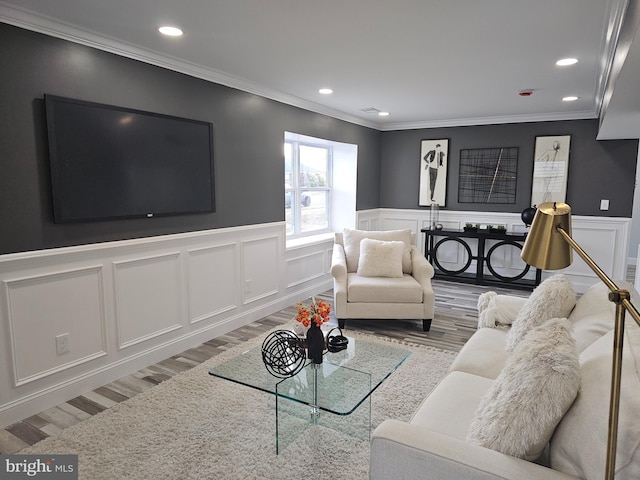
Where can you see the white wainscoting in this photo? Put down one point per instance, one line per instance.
(126, 305)
(605, 239)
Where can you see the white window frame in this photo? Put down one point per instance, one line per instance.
(296, 189)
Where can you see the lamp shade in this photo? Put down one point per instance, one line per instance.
(545, 247)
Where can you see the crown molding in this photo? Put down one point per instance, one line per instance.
(467, 122)
(29, 20)
(609, 71)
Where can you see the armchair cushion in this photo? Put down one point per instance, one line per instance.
(352, 239)
(383, 290)
(380, 259)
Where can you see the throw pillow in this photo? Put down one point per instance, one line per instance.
(380, 259)
(352, 239)
(553, 298)
(498, 311)
(537, 385)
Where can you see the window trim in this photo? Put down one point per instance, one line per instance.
(296, 190)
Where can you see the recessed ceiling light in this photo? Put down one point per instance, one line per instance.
(567, 61)
(170, 31)
(571, 98)
(325, 91)
(383, 114)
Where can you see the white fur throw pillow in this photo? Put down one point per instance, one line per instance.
(536, 387)
(553, 298)
(498, 311)
(380, 259)
(352, 238)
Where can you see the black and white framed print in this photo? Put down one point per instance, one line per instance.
(434, 157)
(550, 169)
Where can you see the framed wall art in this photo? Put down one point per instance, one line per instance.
(488, 175)
(550, 169)
(434, 157)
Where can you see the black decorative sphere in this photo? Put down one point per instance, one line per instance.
(283, 353)
(528, 214)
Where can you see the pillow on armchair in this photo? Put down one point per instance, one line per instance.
(352, 239)
(380, 259)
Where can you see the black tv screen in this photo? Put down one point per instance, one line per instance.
(113, 162)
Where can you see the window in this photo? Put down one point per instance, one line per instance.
(307, 186)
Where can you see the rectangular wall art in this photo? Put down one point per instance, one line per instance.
(550, 169)
(488, 175)
(434, 156)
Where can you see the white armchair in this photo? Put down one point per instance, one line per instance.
(372, 280)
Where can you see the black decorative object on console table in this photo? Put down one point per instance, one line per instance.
(434, 239)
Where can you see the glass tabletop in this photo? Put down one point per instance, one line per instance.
(344, 378)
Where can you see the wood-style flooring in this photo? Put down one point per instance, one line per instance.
(455, 321)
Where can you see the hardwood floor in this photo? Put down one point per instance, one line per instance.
(454, 322)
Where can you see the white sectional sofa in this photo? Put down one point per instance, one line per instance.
(436, 444)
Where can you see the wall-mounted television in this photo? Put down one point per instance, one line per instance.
(112, 162)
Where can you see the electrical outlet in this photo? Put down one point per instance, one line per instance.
(62, 343)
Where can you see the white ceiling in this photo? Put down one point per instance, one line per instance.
(428, 62)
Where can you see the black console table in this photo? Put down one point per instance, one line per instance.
(436, 238)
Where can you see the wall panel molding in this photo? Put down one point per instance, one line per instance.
(260, 267)
(129, 304)
(605, 239)
(43, 306)
(148, 297)
(213, 281)
(305, 268)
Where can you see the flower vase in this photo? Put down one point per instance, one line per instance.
(315, 343)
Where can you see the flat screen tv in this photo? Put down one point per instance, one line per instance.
(111, 162)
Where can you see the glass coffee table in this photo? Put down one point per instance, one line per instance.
(335, 394)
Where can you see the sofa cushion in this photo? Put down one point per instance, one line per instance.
(352, 239)
(578, 446)
(537, 386)
(380, 259)
(553, 298)
(483, 354)
(450, 407)
(383, 290)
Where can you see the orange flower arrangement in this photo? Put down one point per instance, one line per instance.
(317, 312)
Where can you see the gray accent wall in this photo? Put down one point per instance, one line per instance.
(248, 140)
(597, 169)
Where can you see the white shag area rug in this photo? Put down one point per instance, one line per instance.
(195, 426)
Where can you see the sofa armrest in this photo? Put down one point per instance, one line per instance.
(339, 274)
(403, 451)
(422, 270)
(338, 263)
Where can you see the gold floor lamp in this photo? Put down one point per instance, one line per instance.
(549, 247)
